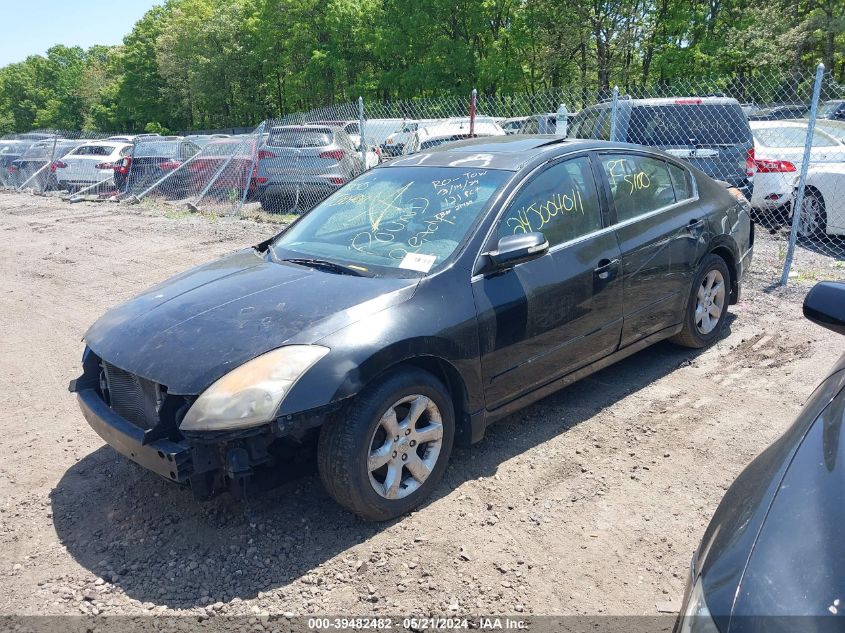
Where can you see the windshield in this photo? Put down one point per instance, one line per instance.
(714, 124)
(791, 137)
(159, 149)
(394, 220)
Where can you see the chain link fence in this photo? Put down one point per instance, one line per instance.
(777, 137)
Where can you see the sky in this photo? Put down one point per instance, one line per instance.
(30, 27)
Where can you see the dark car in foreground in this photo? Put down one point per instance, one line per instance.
(712, 133)
(773, 557)
(414, 306)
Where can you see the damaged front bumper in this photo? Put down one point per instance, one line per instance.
(172, 460)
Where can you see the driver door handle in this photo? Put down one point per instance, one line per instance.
(606, 268)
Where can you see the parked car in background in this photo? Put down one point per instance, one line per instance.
(780, 112)
(352, 128)
(534, 124)
(429, 297)
(152, 159)
(300, 165)
(36, 166)
(712, 133)
(441, 133)
(11, 150)
(833, 110)
(378, 130)
(201, 140)
(395, 143)
(771, 558)
(226, 166)
(89, 164)
(835, 128)
(823, 205)
(778, 156)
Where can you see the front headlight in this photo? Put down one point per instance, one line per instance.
(697, 618)
(250, 395)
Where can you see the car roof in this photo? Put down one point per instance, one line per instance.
(660, 101)
(509, 153)
(777, 124)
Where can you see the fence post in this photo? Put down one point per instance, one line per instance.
(253, 168)
(472, 102)
(614, 111)
(798, 199)
(363, 147)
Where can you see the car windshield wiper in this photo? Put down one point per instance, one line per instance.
(325, 265)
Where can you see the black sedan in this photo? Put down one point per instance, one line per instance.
(773, 557)
(411, 308)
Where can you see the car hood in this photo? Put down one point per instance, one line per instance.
(797, 565)
(757, 556)
(190, 330)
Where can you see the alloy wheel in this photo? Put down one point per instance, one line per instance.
(405, 446)
(710, 302)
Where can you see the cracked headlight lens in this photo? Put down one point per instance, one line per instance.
(251, 394)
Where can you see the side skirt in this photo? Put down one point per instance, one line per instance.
(480, 420)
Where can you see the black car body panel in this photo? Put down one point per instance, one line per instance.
(774, 522)
(772, 557)
(499, 339)
(232, 310)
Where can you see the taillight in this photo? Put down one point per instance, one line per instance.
(104, 166)
(772, 166)
(335, 154)
(335, 180)
(170, 164)
(750, 164)
(122, 166)
(57, 165)
(377, 151)
(262, 154)
(13, 169)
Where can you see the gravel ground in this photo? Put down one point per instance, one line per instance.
(589, 502)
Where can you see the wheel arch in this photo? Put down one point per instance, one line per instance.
(725, 247)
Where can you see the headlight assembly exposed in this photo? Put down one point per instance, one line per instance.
(250, 394)
(697, 618)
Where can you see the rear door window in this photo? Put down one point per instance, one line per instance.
(638, 184)
(561, 202)
(688, 124)
(681, 181)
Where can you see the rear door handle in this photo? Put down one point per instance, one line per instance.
(606, 268)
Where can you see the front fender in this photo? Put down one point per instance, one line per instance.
(437, 324)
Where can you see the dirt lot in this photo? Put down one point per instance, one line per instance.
(590, 502)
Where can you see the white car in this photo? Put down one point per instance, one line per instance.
(823, 206)
(778, 154)
(394, 145)
(439, 134)
(90, 164)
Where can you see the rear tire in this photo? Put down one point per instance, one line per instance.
(707, 305)
(813, 219)
(385, 453)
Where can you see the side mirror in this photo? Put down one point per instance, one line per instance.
(825, 305)
(515, 249)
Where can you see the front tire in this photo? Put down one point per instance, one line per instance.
(385, 453)
(707, 306)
